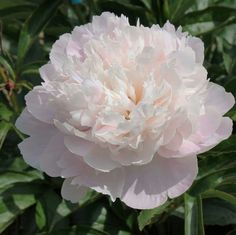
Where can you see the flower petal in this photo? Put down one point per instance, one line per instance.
(72, 192)
(41, 104)
(43, 150)
(149, 186)
(219, 99)
(94, 155)
(29, 125)
(107, 183)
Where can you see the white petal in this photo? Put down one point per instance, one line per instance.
(48, 72)
(139, 157)
(95, 156)
(149, 186)
(197, 45)
(57, 54)
(185, 61)
(41, 104)
(219, 99)
(223, 132)
(72, 192)
(29, 125)
(43, 150)
(209, 122)
(110, 183)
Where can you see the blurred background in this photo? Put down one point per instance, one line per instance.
(30, 201)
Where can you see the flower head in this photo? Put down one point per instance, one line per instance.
(124, 110)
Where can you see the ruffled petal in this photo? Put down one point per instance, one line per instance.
(219, 99)
(149, 186)
(72, 192)
(41, 104)
(94, 155)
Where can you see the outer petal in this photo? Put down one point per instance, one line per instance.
(72, 192)
(57, 55)
(219, 99)
(223, 132)
(197, 45)
(29, 125)
(49, 73)
(41, 104)
(209, 122)
(35, 147)
(110, 183)
(45, 145)
(149, 186)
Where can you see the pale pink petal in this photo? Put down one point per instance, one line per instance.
(197, 45)
(219, 99)
(29, 125)
(107, 183)
(223, 132)
(187, 148)
(48, 72)
(138, 157)
(209, 122)
(72, 192)
(57, 54)
(43, 149)
(185, 61)
(149, 186)
(41, 104)
(94, 155)
(175, 142)
(33, 147)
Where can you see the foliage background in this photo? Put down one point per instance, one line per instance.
(30, 201)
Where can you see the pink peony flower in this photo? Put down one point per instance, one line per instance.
(124, 110)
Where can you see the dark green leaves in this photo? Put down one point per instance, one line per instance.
(219, 212)
(34, 25)
(4, 128)
(147, 217)
(193, 220)
(5, 113)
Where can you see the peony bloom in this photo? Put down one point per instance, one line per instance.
(124, 110)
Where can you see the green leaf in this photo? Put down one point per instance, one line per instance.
(5, 113)
(221, 195)
(179, 7)
(147, 217)
(8, 177)
(229, 188)
(14, 200)
(123, 7)
(4, 129)
(32, 68)
(218, 212)
(5, 63)
(212, 13)
(11, 207)
(100, 217)
(219, 158)
(6, 3)
(229, 57)
(34, 25)
(193, 223)
(231, 86)
(50, 209)
(212, 181)
(15, 12)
